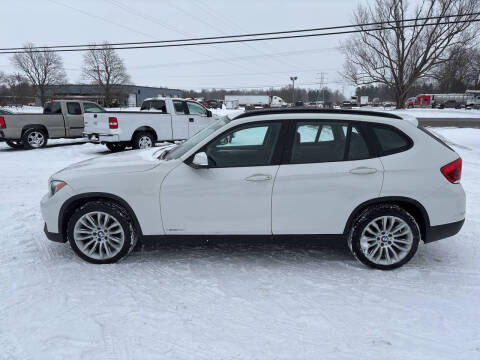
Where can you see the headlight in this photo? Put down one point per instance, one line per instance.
(56, 185)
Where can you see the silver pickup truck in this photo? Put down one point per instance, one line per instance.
(60, 119)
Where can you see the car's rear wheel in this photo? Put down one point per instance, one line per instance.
(34, 138)
(143, 140)
(384, 237)
(116, 147)
(101, 232)
(16, 144)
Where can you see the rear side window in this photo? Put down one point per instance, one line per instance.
(73, 108)
(358, 148)
(92, 108)
(179, 107)
(52, 108)
(157, 105)
(390, 139)
(319, 142)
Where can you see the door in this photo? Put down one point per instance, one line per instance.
(197, 119)
(328, 171)
(180, 120)
(233, 195)
(74, 119)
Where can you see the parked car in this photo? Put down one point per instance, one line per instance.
(299, 103)
(214, 104)
(160, 119)
(410, 103)
(449, 104)
(373, 179)
(5, 112)
(60, 119)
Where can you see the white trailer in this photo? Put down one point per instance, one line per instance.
(255, 100)
(363, 100)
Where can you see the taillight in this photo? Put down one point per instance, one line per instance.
(113, 123)
(453, 171)
(2, 122)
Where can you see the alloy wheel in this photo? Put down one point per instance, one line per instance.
(386, 240)
(98, 235)
(36, 139)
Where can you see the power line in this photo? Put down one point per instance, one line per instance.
(168, 43)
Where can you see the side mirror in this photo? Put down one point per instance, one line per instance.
(209, 113)
(200, 160)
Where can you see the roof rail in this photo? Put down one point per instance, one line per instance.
(300, 110)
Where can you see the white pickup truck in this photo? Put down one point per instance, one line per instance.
(159, 119)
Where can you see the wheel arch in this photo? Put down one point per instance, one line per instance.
(145, 128)
(35, 126)
(73, 203)
(415, 208)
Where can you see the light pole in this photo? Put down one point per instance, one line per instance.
(293, 78)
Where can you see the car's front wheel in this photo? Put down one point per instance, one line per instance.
(384, 237)
(101, 232)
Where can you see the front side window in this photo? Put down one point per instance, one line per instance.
(73, 108)
(319, 142)
(179, 107)
(92, 108)
(248, 145)
(52, 108)
(391, 140)
(196, 109)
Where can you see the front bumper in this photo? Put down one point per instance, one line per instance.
(53, 236)
(439, 232)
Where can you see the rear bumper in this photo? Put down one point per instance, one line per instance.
(53, 236)
(101, 138)
(9, 134)
(439, 232)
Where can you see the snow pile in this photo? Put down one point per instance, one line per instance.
(229, 301)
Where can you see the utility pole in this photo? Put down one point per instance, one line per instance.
(293, 78)
(321, 87)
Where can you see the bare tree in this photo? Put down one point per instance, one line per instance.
(103, 66)
(398, 56)
(42, 68)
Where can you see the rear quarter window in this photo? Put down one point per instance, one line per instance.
(390, 139)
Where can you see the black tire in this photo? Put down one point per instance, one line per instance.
(374, 212)
(137, 137)
(15, 144)
(116, 147)
(26, 138)
(115, 211)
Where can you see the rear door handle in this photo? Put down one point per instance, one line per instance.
(259, 177)
(191, 119)
(363, 170)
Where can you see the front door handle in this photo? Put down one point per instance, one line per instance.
(191, 119)
(363, 170)
(259, 177)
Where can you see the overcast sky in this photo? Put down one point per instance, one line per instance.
(59, 22)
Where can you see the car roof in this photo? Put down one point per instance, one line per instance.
(316, 111)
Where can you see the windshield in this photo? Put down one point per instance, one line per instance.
(196, 139)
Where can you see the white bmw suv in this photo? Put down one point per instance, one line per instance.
(373, 179)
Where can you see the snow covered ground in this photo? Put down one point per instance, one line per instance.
(230, 300)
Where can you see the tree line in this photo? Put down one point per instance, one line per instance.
(37, 71)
